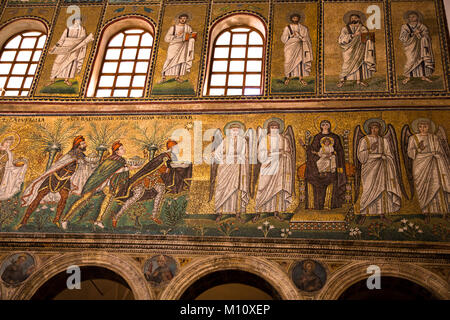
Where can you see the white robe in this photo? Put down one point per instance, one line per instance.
(180, 53)
(298, 54)
(12, 177)
(233, 173)
(275, 178)
(418, 51)
(68, 62)
(325, 163)
(431, 171)
(359, 58)
(381, 191)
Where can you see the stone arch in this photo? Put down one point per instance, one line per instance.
(229, 20)
(123, 266)
(268, 270)
(19, 25)
(108, 31)
(354, 272)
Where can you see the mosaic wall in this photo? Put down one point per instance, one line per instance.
(337, 175)
(310, 51)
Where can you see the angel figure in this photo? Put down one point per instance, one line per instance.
(12, 171)
(230, 170)
(426, 154)
(377, 163)
(275, 171)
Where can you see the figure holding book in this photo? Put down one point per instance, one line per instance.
(358, 50)
(180, 52)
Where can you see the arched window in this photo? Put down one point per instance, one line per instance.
(20, 55)
(236, 57)
(125, 61)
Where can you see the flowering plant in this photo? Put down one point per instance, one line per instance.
(355, 233)
(376, 228)
(227, 228)
(409, 228)
(265, 228)
(285, 233)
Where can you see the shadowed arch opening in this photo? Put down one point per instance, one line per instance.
(231, 285)
(392, 288)
(97, 283)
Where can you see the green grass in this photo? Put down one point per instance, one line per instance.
(173, 87)
(294, 86)
(375, 84)
(82, 222)
(417, 84)
(60, 87)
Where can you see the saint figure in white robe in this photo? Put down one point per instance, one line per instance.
(298, 54)
(416, 41)
(180, 53)
(70, 51)
(358, 52)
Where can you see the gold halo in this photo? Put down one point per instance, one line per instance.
(361, 15)
(415, 125)
(227, 126)
(309, 262)
(320, 118)
(280, 122)
(379, 121)
(16, 139)
(329, 138)
(407, 13)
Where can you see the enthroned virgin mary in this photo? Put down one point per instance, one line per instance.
(324, 190)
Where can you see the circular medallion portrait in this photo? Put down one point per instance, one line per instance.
(309, 275)
(17, 268)
(160, 269)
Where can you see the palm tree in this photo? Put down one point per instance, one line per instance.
(103, 135)
(151, 140)
(54, 138)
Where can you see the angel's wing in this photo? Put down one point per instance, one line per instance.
(442, 137)
(357, 136)
(256, 167)
(216, 141)
(252, 143)
(407, 161)
(391, 137)
(289, 134)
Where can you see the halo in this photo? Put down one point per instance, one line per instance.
(415, 125)
(352, 12)
(280, 122)
(379, 121)
(309, 262)
(299, 13)
(227, 126)
(320, 118)
(329, 138)
(407, 13)
(189, 16)
(16, 139)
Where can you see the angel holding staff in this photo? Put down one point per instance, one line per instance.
(426, 154)
(377, 162)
